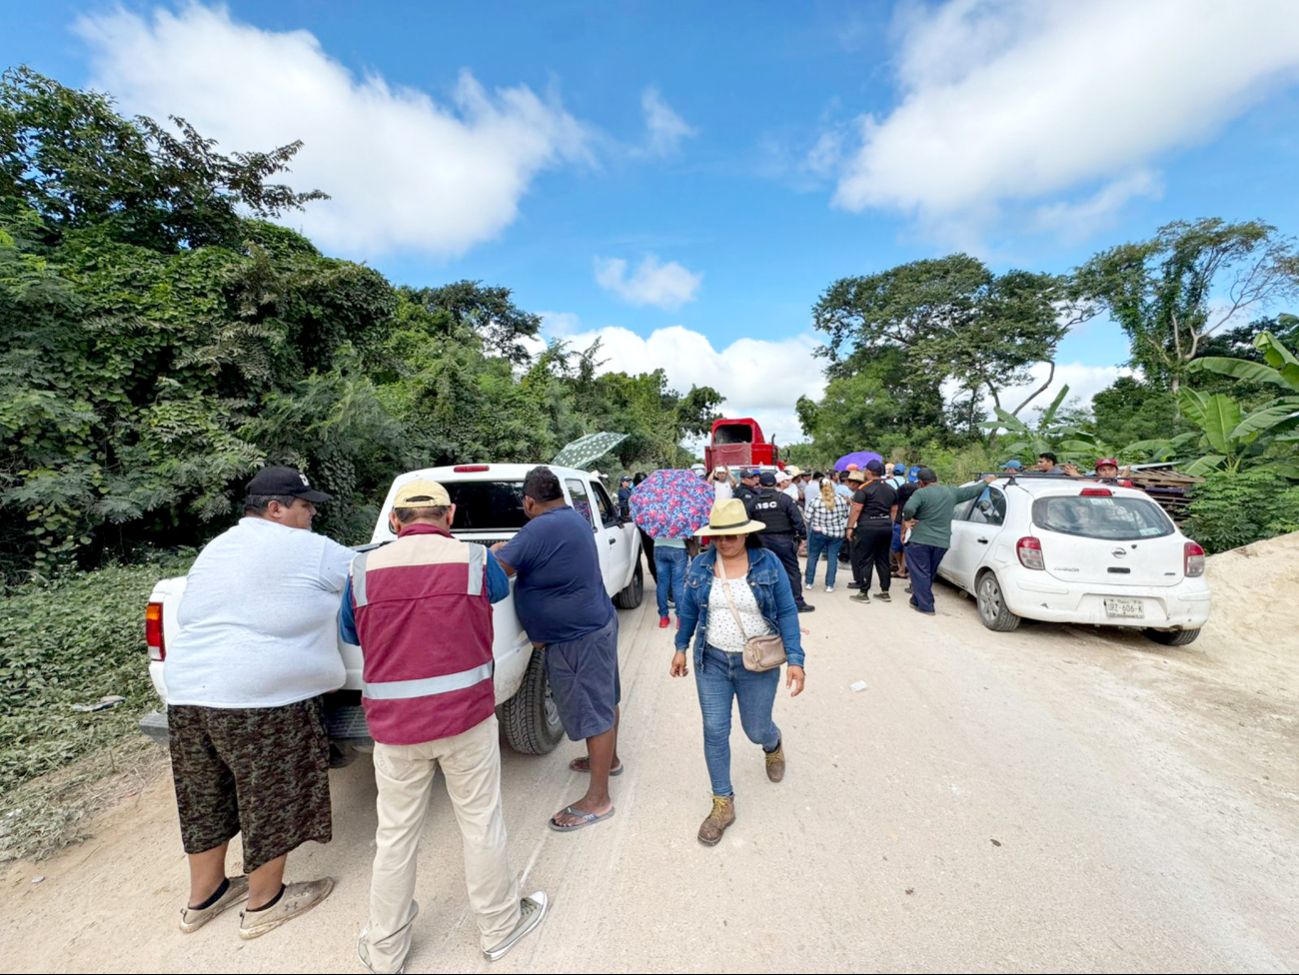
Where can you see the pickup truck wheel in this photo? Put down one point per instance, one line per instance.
(532, 724)
(1173, 638)
(992, 605)
(631, 597)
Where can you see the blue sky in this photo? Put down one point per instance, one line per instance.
(683, 180)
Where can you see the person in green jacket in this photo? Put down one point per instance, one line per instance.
(928, 515)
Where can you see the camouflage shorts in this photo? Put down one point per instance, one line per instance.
(260, 771)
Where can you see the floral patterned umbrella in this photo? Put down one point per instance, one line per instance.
(672, 504)
(585, 451)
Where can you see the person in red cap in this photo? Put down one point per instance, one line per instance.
(1107, 469)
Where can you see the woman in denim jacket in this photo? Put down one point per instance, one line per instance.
(765, 605)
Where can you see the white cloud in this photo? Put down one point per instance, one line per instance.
(759, 378)
(1083, 381)
(404, 171)
(665, 128)
(1023, 101)
(667, 286)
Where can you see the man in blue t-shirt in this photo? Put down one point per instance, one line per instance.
(561, 602)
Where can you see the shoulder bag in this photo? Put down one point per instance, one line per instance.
(760, 652)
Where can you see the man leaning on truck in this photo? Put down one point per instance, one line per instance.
(254, 653)
(420, 608)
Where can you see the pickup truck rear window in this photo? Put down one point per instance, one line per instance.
(487, 505)
(1113, 519)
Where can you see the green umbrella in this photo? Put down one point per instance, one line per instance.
(585, 451)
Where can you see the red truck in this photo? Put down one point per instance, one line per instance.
(739, 443)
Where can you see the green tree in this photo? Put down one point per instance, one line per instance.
(1172, 293)
(953, 319)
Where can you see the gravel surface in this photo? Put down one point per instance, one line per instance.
(1053, 798)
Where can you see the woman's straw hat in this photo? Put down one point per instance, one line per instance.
(730, 518)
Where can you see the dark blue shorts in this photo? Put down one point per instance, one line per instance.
(583, 675)
(897, 537)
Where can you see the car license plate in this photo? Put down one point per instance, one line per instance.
(1124, 608)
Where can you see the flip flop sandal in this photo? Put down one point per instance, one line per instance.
(574, 766)
(587, 819)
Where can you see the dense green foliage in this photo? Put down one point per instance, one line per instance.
(74, 640)
(159, 346)
(1233, 510)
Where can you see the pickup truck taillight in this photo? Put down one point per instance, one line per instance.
(153, 632)
(1193, 560)
(1029, 550)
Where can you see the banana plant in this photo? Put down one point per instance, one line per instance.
(1033, 440)
(1231, 434)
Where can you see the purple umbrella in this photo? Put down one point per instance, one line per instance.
(861, 458)
(672, 504)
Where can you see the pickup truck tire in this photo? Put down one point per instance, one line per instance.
(631, 596)
(531, 720)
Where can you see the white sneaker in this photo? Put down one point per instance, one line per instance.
(533, 909)
(829, 588)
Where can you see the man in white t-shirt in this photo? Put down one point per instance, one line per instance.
(254, 653)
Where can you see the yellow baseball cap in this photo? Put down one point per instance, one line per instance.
(420, 493)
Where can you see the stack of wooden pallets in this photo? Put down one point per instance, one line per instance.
(1169, 488)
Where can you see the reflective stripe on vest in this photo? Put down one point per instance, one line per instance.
(393, 690)
(477, 569)
(358, 580)
(477, 573)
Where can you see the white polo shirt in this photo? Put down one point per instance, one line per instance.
(259, 619)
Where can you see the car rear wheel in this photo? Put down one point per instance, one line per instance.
(1173, 638)
(631, 597)
(992, 605)
(531, 719)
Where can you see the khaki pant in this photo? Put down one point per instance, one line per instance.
(471, 763)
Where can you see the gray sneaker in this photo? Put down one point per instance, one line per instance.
(533, 909)
(296, 899)
(192, 919)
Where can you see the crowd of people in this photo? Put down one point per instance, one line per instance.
(256, 649)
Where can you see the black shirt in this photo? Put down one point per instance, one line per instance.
(778, 512)
(877, 499)
(904, 495)
(745, 494)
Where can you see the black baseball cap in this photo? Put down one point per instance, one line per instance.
(875, 467)
(285, 480)
(926, 476)
(767, 478)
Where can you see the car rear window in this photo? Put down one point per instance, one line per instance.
(1113, 519)
(487, 505)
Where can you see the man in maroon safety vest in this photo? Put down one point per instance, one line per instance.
(420, 608)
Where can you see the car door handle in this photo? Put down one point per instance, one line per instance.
(983, 541)
(613, 541)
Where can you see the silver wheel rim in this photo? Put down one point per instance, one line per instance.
(989, 598)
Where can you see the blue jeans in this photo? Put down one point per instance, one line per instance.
(922, 564)
(671, 564)
(816, 544)
(721, 679)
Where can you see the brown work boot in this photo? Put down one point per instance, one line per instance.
(776, 763)
(723, 814)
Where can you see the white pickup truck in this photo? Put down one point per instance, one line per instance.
(489, 509)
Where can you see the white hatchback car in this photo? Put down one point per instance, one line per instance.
(1070, 550)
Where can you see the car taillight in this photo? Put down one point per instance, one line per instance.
(1193, 560)
(1029, 551)
(153, 632)
(1097, 493)
(470, 468)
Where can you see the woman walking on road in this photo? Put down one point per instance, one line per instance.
(827, 523)
(734, 591)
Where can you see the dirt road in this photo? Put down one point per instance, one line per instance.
(1045, 799)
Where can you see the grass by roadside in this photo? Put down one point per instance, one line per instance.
(74, 640)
